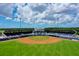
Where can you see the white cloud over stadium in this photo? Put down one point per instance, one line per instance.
(40, 13)
(49, 13)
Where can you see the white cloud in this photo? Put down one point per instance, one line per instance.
(58, 11)
(6, 9)
(8, 18)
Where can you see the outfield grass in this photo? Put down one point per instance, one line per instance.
(15, 48)
(39, 37)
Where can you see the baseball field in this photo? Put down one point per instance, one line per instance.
(58, 47)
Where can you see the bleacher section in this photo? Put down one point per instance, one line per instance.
(17, 33)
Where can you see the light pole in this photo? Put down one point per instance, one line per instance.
(20, 22)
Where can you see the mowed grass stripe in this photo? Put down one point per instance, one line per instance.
(63, 48)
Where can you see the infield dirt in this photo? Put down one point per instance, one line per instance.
(28, 40)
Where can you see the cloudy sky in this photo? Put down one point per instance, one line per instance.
(39, 15)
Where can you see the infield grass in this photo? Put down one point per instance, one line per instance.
(39, 37)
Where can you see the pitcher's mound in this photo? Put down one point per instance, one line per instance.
(50, 40)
